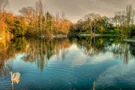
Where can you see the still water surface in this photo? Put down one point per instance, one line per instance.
(101, 63)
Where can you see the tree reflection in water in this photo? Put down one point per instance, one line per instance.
(97, 45)
(40, 51)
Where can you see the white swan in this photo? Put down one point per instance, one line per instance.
(15, 77)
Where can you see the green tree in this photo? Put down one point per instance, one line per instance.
(49, 23)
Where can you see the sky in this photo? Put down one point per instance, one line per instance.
(75, 9)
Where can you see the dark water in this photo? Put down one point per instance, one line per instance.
(101, 63)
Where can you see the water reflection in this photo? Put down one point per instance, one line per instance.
(90, 58)
(94, 85)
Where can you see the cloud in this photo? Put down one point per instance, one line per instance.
(117, 74)
(76, 57)
(101, 58)
(76, 9)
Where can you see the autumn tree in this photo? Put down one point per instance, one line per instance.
(61, 24)
(3, 26)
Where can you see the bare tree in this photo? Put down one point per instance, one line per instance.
(129, 14)
(3, 4)
(63, 15)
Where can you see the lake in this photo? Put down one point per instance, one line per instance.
(82, 63)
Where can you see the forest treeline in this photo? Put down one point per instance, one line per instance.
(37, 22)
(32, 21)
(122, 23)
